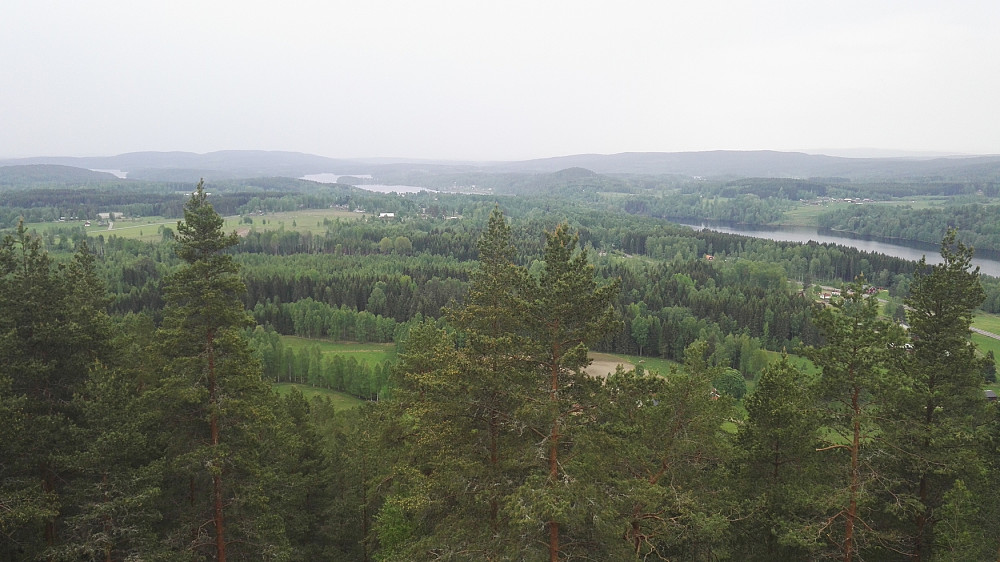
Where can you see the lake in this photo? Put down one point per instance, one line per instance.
(911, 251)
(332, 178)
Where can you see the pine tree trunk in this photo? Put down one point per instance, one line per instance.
(553, 541)
(48, 487)
(494, 465)
(554, 448)
(220, 539)
(922, 521)
(852, 510)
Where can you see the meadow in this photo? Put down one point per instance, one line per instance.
(367, 353)
(340, 400)
(988, 322)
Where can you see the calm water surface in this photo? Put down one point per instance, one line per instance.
(987, 265)
(332, 178)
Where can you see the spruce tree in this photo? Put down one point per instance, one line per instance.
(781, 476)
(429, 489)
(53, 329)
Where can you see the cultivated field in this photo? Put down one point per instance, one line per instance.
(807, 215)
(150, 229)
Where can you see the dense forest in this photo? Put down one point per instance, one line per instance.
(979, 223)
(140, 422)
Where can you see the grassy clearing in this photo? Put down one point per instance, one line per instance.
(806, 215)
(987, 344)
(148, 229)
(797, 361)
(988, 322)
(340, 400)
(370, 353)
(656, 365)
(603, 364)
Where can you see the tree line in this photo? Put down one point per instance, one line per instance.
(976, 222)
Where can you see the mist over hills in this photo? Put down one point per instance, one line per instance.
(234, 164)
(51, 174)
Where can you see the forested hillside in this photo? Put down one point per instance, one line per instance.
(137, 366)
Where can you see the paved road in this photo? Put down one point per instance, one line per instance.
(985, 333)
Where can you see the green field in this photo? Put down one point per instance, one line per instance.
(988, 322)
(926, 202)
(149, 229)
(987, 344)
(340, 400)
(370, 353)
(653, 364)
(808, 215)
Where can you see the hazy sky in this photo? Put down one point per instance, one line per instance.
(496, 79)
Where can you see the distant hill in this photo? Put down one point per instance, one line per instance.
(235, 164)
(759, 163)
(35, 174)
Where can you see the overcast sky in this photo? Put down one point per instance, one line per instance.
(496, 80)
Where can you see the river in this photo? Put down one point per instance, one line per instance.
(912, 251)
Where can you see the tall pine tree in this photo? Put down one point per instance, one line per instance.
(566, 313)
(217, 413)
(938, 417)
(859, 374)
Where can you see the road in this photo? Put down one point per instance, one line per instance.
(985, 333)
(976, 330)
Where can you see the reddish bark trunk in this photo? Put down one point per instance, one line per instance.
(220, 538)
(220, 541)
